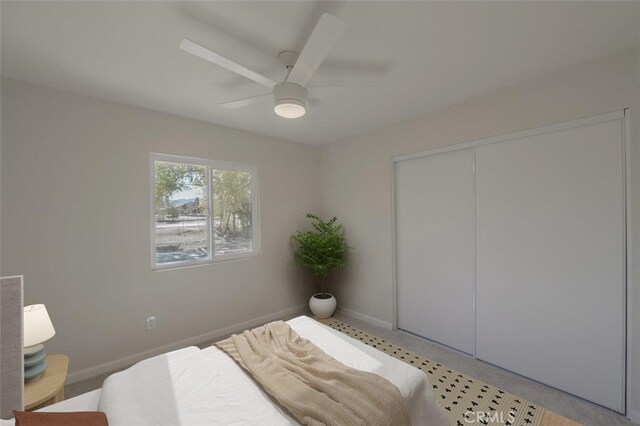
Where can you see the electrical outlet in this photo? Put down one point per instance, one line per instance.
(151, 323)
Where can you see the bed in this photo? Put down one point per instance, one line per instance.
(205, 386)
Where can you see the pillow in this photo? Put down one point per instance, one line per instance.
(78, 418)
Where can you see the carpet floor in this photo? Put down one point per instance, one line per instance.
(465, 399)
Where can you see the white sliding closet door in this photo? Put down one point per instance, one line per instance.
(435, 247)
(550, 259)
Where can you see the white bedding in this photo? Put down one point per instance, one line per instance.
(206, 387)
(199, 387)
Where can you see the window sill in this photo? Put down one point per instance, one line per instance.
(225, 258)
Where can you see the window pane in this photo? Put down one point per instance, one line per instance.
(232, 212)
(181, 212)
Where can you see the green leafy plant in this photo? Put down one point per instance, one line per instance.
(323, 250)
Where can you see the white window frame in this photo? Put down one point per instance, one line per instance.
(211, 165)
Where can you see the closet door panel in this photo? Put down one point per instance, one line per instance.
(550, 259)
(435, 247)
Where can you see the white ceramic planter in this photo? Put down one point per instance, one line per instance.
(322, 308)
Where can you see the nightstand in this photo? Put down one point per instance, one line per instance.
(49, 388)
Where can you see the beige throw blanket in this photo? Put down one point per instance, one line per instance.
(314, 387)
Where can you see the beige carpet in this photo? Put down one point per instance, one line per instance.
(463, 397)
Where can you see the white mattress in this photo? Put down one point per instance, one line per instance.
(193, 386)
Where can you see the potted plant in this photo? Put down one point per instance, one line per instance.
(322, 250)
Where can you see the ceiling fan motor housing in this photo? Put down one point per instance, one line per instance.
(290, 99)
(284, 92)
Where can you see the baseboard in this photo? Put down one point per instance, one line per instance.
(634, 416)
(367, 318)
(119, 363)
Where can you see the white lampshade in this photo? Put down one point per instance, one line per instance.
(37, 325)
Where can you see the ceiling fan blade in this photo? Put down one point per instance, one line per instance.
(246, 101)
(215, 58)
(327, 31)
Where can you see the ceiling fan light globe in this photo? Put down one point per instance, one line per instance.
(290, 108)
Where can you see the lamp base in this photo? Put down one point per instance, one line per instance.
(34, 362)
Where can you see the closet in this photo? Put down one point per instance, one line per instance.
(435, 254)
(513, 250)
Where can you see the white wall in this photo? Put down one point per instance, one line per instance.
(1, 180)
(356, 173)
(75, 223)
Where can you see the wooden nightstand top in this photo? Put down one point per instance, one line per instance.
(50, 385)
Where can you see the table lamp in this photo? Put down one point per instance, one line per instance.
(37, 329)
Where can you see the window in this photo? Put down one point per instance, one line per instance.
(202, 211)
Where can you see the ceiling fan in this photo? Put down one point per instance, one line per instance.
(290, 95)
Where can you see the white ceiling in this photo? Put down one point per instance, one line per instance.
(423, 55)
